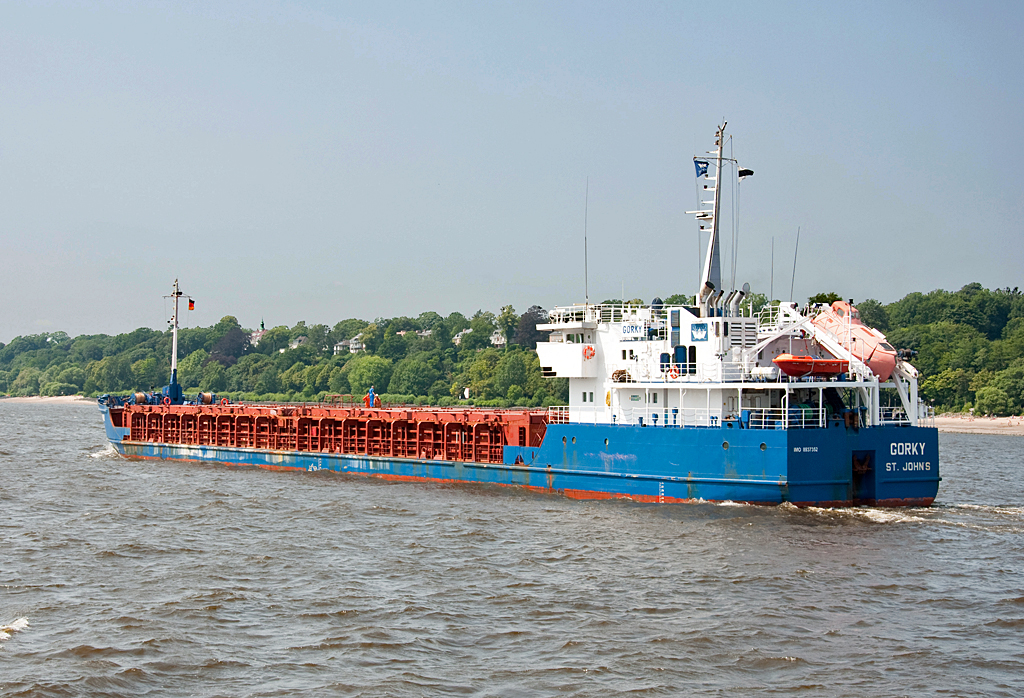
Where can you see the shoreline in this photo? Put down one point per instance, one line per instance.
(39, 400)
(966, 424)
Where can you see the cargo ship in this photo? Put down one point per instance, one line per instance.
(667, 403)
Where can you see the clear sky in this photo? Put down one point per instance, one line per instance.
(317, 161)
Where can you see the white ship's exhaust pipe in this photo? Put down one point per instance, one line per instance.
(705, 297)
(727, 308)
(734, 304)
(713, 302)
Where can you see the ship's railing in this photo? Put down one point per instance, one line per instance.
(558, 414)
(772, 318)
(723, 372)
(768, 316)
(659, 416)
(928, 418)
(600, 313)
(710, 372)
(566, 414)
(784, 418)
(626, 312)
(894, 415)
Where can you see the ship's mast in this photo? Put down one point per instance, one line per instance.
(173, 390)
(712, 261)
(176, 295)
(711, 278)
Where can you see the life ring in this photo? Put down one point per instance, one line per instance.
(673, 373)
(167, 400)
(225, 401)
(588, 352)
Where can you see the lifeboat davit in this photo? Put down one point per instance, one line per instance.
(799, 366)
(866, 343)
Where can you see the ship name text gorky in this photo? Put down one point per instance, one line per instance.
(907, 449)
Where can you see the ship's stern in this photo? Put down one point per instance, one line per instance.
(885, 466)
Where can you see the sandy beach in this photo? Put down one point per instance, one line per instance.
(966, 424)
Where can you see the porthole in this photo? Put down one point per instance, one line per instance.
(764, 446)
(563, 441)
(725, 445)
(574, 439)
(606, 442)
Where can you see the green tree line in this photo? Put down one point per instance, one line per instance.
(412, 360)
(969, 344)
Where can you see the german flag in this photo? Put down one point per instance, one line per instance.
(191, 304)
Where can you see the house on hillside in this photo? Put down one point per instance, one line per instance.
(351, 346)
(457, 339)
(257, 335)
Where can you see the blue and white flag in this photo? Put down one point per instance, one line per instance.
(701, 167)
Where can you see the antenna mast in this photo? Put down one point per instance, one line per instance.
(176, 295)
(795, 250)
(586, 209)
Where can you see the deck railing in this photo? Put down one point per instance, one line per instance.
(656, 416)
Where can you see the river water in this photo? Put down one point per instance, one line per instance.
(168, 578)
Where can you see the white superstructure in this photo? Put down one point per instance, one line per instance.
(711, 364)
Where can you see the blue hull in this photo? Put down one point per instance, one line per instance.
(836, 466)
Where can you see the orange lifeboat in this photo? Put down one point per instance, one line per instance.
(866, 343)
(799, 366)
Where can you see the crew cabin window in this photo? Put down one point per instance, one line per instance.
(655, 396)
(591, 397)
(840, 313)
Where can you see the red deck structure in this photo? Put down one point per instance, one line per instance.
(466, 434)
